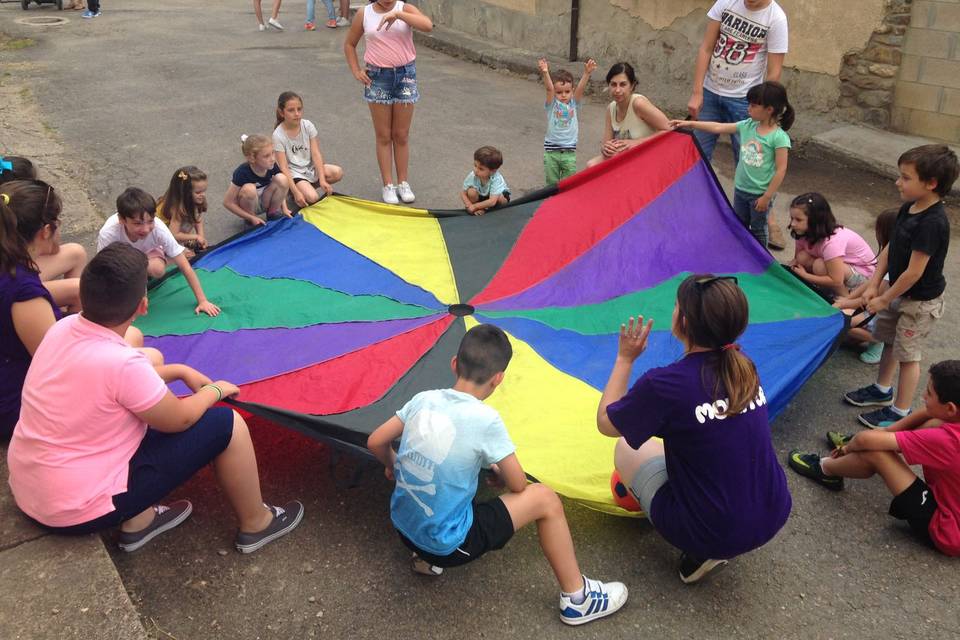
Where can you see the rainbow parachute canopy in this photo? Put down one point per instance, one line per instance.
(332, 320)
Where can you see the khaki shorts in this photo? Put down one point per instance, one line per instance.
(905, 325)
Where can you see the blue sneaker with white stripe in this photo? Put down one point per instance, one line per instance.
(602, 599)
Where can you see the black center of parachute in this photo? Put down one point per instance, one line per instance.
(460, 310)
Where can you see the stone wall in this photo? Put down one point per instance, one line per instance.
(661, 37)
(927, 93)
(868, 77)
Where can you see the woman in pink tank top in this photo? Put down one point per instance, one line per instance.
(389, 77)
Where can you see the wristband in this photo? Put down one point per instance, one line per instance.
(215, 388)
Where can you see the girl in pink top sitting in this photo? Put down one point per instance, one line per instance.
(828, 255)
(389, 77)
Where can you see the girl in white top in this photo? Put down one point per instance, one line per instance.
(298, 154)
(631, 118)
(389, 77)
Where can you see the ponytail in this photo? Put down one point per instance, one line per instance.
(787, 117)
(738, 375)
(715, 313)
(26, 206)
(774, 95)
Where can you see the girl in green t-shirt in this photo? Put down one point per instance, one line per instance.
(763, 153)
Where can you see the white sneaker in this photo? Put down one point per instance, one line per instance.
(601, 600)
(262, 27)
(343, 22)
(405, 192)
(390, 194)
(273, 22)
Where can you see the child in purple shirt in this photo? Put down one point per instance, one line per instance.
(712, 487)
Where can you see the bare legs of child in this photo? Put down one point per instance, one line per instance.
(474, 197)
(274, 14)
(60, 274)
(237, 474)
(332, 174)
(582, 599)
(391, 125)
(272, 199)
(907, 382)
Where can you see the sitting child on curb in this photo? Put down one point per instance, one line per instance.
(929, 437)
(484, 187)
(83, 458)
(446, 436)
(135, 224)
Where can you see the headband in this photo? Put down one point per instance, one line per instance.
(5, 165)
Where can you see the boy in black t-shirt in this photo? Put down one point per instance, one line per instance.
(914, 261)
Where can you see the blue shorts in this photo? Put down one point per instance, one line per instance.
(161, 463)
(392, 85)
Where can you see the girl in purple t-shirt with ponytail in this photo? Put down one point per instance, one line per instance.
(712, 487)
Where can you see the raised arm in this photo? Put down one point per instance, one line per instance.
(632, 342)
(547, 80)
(588, 67)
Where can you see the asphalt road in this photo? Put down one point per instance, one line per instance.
(151, 86)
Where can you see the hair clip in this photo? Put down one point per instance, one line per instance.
(182, 175)
(5, 198)
(5, 165)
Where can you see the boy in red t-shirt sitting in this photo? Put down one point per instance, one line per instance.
(931, 438)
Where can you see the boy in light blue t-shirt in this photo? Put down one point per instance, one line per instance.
(446, 436)
(563, 129)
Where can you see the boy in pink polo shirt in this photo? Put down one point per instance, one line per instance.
(83, 457)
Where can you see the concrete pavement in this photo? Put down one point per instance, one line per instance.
(148, 87)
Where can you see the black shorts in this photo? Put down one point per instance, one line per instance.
(916, 505)
(313, 184)
(492, 528)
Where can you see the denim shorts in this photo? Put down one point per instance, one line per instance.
(392, 85)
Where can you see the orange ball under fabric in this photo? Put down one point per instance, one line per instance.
(621, 495)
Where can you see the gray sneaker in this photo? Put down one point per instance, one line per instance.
(285, 520)
(166, 518)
